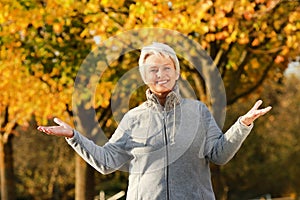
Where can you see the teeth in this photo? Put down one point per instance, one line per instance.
(161, 82)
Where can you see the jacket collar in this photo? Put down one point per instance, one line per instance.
(173, 99)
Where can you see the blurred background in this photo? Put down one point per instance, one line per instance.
(255, 44)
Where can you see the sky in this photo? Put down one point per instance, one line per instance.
(293, 68)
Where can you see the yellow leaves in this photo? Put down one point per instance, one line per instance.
(58, 27)
(3, 14)
(91, 18)
(109, 122)
(260, 37)
(206, 5)
(203, 28)
(232, 37)
(16, 93)
(71, 20)
(103, 94)
(105, 2)
(141, 8)
(294, 17)
(112, 3)
(279, 59)
(3, 52)
(290, 28)
(227, 7)
(294, 23)
(222, 35)
(231, 65)
(91, 8)
(292, 41)
(210, 37)
(243, 38)
(255, 42)
(84, 33)
(277, 24)
(254, 63)
(25, 94)
(65, 3)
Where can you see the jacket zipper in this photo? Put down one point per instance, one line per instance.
(167, 156)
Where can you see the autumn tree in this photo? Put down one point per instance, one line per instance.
(267, 163)
(43, 166)
(46, 42)
(249, 41)
(25, 92)
(43, 45)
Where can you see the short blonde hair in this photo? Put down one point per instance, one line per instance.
(157, 48)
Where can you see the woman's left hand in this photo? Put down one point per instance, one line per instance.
(254, 113)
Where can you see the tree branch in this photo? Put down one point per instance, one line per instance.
(255, 86)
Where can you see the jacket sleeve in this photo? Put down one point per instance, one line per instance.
(105, 159)
(219, 147)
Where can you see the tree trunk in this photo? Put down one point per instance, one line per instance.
(6, 168)
(217, 105)
(219, 183)
(84, 184)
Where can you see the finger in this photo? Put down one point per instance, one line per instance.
(43, 129)
(265, 110)
(58, 121)
(62, 123)
(261, 112)
(257, 104)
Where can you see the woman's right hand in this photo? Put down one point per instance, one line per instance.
(63, 129)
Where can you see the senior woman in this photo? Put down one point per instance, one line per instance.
(166, 143)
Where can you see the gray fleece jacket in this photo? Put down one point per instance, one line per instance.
(166, 150)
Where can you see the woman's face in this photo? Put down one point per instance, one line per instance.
(160, 74)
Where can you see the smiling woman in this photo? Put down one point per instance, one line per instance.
(160, 75)
(159, 68)
(166, 143)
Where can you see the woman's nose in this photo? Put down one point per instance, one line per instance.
(159, 73)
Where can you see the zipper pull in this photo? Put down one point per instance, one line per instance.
(165, 116)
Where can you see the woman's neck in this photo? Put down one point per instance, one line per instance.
(161, 97)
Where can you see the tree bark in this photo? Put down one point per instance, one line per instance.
(84, 184)
(219, 183)
(6, 168)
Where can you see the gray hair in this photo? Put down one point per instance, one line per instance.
(156, 48)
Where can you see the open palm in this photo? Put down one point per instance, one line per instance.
(254, 113)
(63, 129)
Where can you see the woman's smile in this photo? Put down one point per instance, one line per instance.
(161, 74)
(162, 82)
